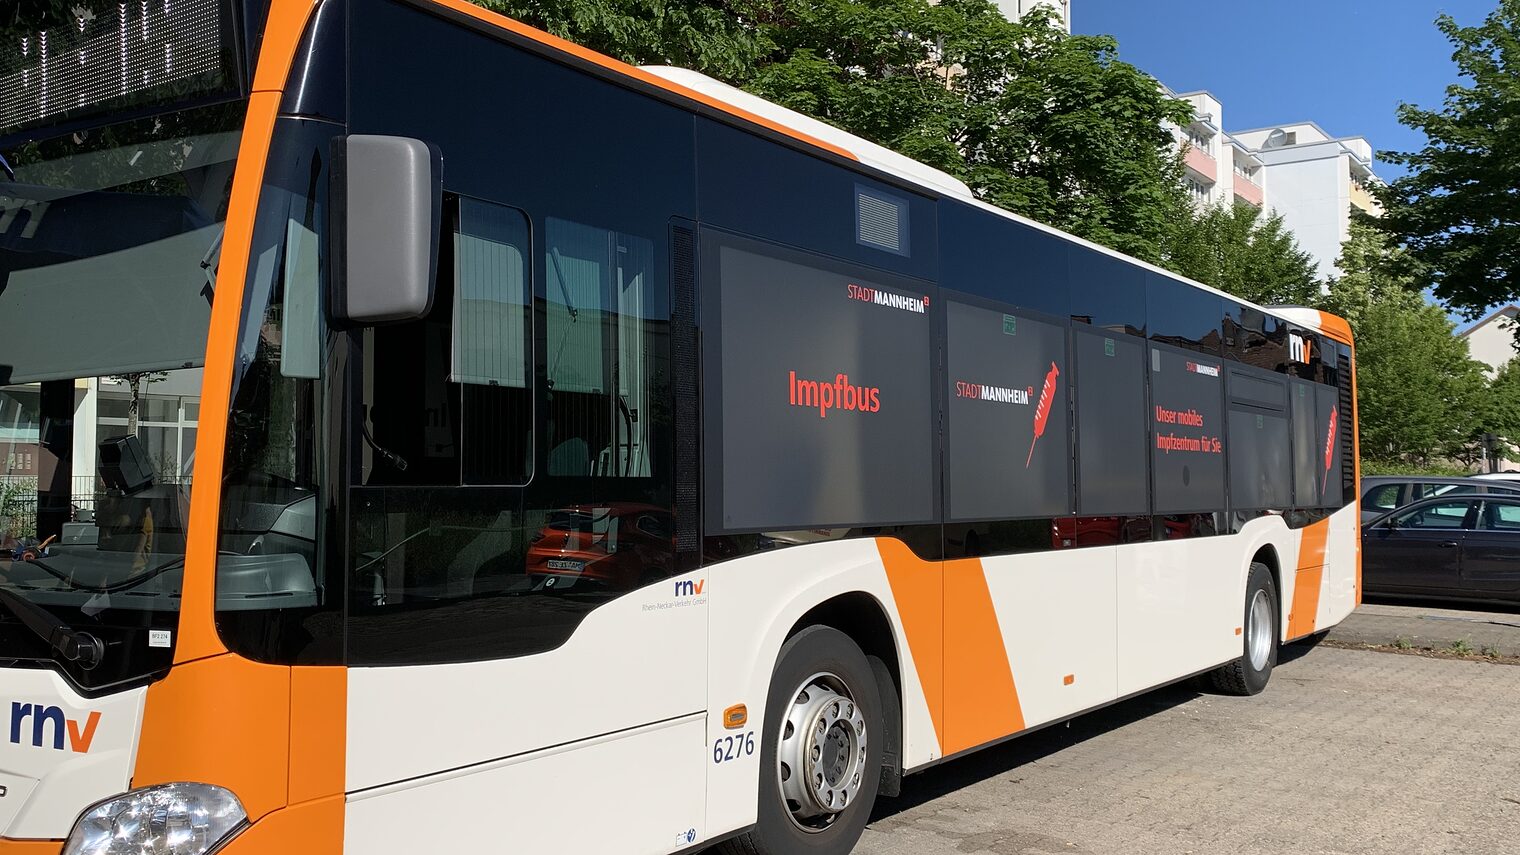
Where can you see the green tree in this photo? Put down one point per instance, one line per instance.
(1503, 405)
(1048, 125)
(1457, 210)
(1420, 396)
(715, 37)
(1051, 126)
(1235, 250)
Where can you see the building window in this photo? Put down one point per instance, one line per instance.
(1199, 140)
(1196, 189)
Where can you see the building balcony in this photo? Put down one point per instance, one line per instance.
(1200, 162)
(1247, 190)
(1363, 200)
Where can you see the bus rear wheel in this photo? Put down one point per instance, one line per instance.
(821, 755)
(1249, 674)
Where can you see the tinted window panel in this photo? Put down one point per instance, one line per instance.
(491, 293)
(1306, 475)
(825, 404)
(1182, 315)
(1111, 424)
(1006, 451)
(1107, 292)
(755, 186)
(1258, 391)
(1187, 457)
(1260, 473)
(990, 256)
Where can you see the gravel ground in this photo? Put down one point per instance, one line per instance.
(1346, 752)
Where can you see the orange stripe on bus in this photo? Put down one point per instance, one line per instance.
(318, 732)
(1308, 580)
(197, 622)
(1336, 327)
(281, 39)
(30, 847)
(957, 644)
(225, 721)
(918, 589)
(981, 701)
(218, 717)
(636, 73)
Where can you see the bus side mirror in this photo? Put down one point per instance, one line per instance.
(387, 205)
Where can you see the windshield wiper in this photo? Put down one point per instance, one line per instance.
(72, 644)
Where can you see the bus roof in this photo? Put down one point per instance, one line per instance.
(818, 135)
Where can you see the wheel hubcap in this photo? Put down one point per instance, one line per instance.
(1259, 633)
(821, 756)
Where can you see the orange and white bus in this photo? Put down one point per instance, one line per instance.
(424, 434)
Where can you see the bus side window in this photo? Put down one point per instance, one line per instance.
(492, 343)
(602, 306)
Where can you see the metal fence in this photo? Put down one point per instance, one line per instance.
(18, 502)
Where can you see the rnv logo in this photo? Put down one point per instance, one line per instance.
(687, 588)
(50, 726)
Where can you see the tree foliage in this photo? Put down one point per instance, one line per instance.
(1420, 396)
(1051, 126)
(1235, 250)
(715, 37)
(1458, 210)
(1502, 406)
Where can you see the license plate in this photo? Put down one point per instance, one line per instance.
(563, 564)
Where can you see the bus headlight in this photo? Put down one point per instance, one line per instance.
(170, 819)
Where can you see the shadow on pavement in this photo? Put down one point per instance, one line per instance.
(1490, 606)
(961, 772)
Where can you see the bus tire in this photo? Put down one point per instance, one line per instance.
(817, 780)
(1249, 674)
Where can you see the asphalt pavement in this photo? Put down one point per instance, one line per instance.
(1433, 625)
(1347, 752)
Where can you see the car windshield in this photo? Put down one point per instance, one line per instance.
(109, 242)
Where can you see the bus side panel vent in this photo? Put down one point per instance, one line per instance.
(881, 220)
(687, 416)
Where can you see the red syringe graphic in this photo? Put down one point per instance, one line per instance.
(1330, 447)
(1042, 411)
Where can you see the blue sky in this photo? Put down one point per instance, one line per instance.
(1345, 64)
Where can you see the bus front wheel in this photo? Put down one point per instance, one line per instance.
(1249, 674)
(820, 761)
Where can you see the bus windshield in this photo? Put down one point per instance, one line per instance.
(109, 242)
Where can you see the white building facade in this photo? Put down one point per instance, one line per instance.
(1314, 180)
(1491, 340)
(1016, 9)
(1219, 168)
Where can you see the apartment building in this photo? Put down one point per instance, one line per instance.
(1016, 9)
(1219, 168)
(1491, 340)
(1313, 180)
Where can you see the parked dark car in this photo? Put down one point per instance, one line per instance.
(1383, 493)
(1464, 546)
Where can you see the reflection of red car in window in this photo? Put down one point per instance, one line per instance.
(621, 546)
(1107, 531)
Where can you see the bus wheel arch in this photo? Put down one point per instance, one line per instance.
(862, 617)
(1267, 555)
